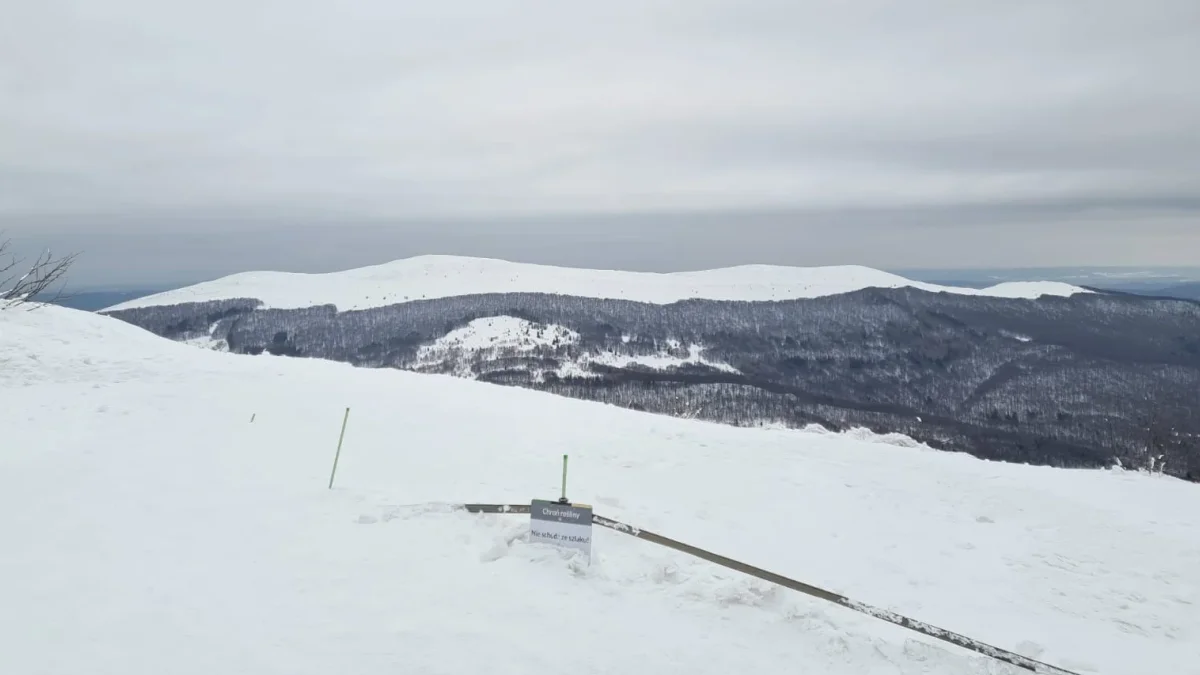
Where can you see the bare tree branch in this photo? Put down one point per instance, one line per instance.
(26, 284)
(11, 262)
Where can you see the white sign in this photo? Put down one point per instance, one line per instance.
(566, 525)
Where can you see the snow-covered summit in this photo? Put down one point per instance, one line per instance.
(151, 526)
(436, 276)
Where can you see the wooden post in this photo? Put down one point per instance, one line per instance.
(338, 454)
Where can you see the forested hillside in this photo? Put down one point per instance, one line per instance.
(1066, 381)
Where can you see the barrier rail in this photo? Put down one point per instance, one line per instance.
(921, 627)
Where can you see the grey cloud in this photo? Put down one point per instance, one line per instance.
(155, 118)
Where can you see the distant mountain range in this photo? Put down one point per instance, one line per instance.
(1176, 282)
(1166, 282)
(1187, 290)
(91, 301)
(436, 276)
(1044, 373)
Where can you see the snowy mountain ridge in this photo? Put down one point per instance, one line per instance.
(436, 276)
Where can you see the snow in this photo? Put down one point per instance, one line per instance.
(149, 527)
(1016, 336)
(486, 338)
(660, 361)
(429, 277)
(1032, 289)
(500, 332)
(209, 341)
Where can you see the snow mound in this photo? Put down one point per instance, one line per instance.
(150, 526)
(429, 277)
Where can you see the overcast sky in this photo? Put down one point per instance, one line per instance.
(176, 141)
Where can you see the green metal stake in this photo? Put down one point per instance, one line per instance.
(339, 448)
(563, 499)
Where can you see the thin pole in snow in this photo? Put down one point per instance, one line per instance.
(338, 454)
(563, 498)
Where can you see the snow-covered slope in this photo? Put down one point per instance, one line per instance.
(501, 332)
(429, 277)
(487, 343)
(150, 527)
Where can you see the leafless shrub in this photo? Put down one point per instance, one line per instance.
(23, 282)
